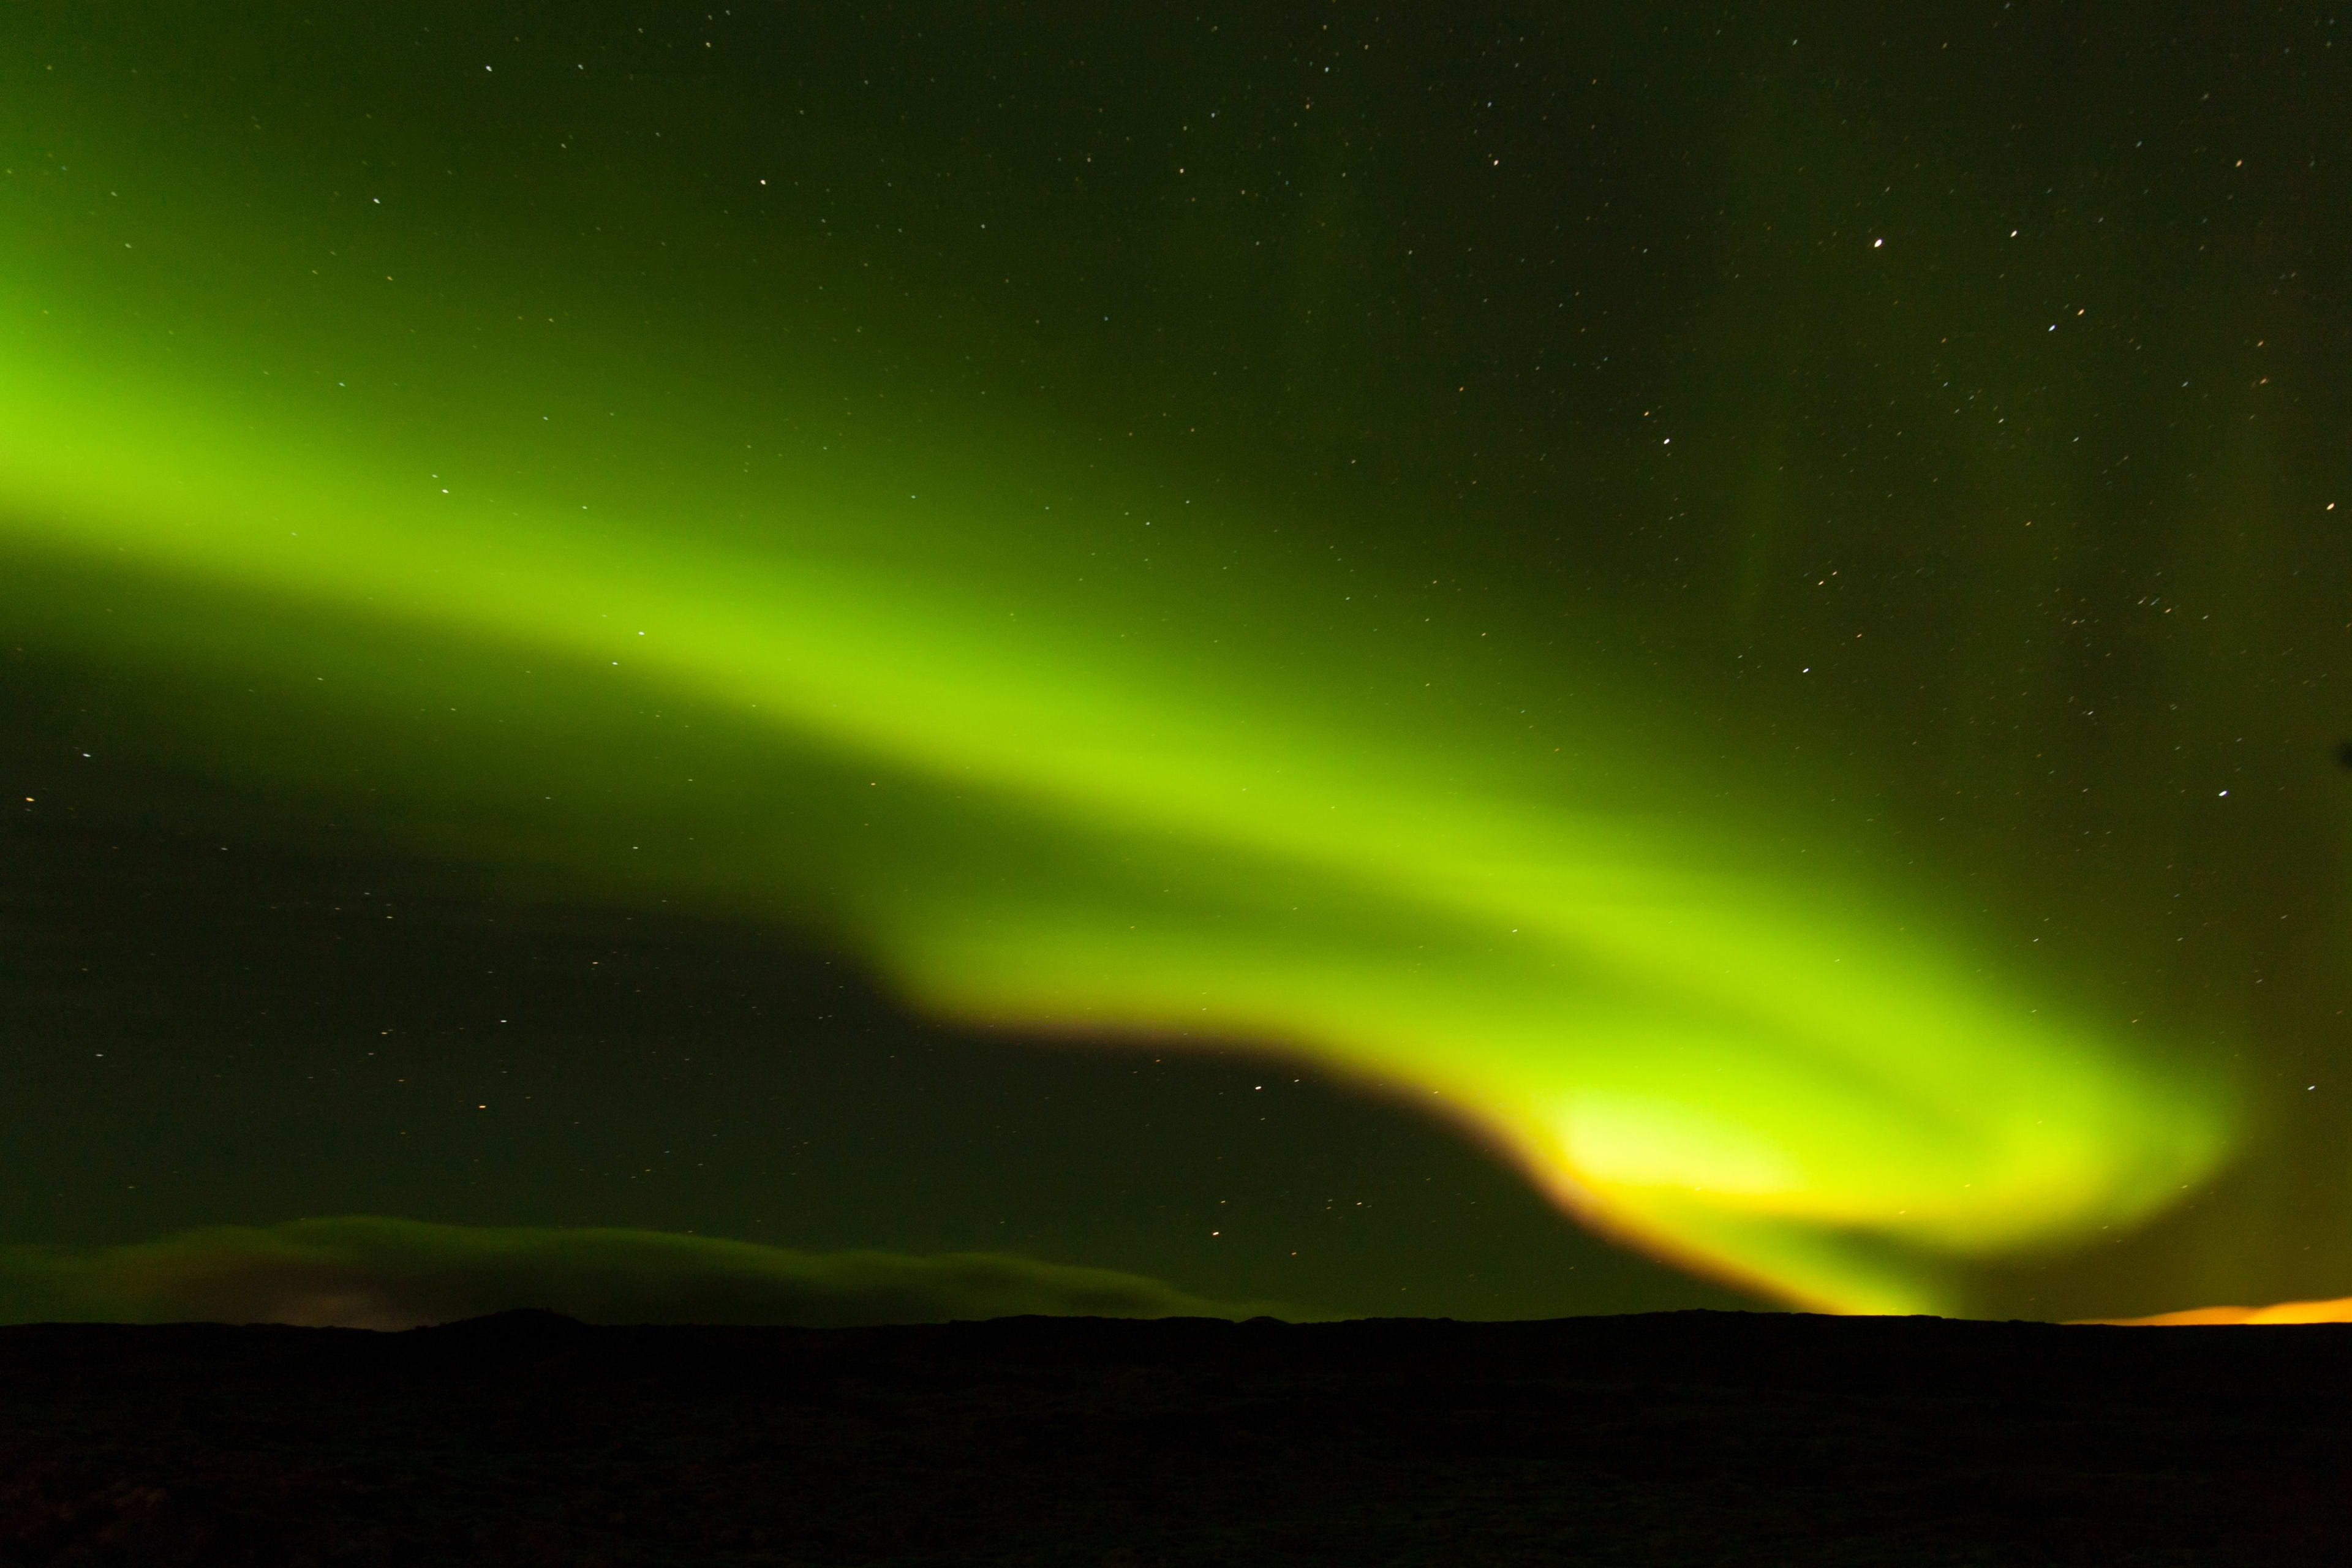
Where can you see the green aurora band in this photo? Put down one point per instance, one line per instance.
(465, 512)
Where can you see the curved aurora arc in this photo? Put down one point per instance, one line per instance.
(1759, 1081)
(1109, 821)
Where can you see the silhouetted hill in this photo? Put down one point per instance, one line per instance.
(531, 1438)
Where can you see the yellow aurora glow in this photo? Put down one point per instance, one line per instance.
(1762, 1078)
(1041, 768)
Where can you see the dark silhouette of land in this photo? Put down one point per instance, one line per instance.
(1697, 1437)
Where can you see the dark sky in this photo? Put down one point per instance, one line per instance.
(244, 1018)
(1742, 631)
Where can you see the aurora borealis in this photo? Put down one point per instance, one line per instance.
(1752, 620)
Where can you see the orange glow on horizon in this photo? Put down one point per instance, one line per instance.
(2338, 1310)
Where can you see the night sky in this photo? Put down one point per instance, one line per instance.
(1315, 658)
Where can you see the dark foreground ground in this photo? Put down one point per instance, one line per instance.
(1684, 1439)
